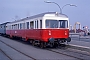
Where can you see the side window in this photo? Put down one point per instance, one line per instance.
(15, 26)
(20, 25)
(37, 24)
(32, 24)
(40, 23)
(0, 26)
(23, 25)
(27, 25)
(4, 26)
(12, 26)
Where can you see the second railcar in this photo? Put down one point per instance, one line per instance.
(3, 28)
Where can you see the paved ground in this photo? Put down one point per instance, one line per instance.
(2, 56)
(37, 53)
(82, 41)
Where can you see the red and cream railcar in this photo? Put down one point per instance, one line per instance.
(48, 28)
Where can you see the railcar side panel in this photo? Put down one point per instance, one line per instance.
(55, 33)
(28, 33)
(40, 34)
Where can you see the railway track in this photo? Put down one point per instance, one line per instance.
(79, 51)
(15, 50)
(6, 54)
(64, 54)
(78, 54)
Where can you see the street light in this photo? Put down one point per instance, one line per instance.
(54, 3)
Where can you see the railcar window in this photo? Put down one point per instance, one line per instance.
(51, 23)
(18, 26)
(1, 27)
(27, 25)
(15, 26)
(37, 24)
(56, 24)
(40, 23)
(31, 24)
(23, 24)
(4, 26)
(8, 27)
(12, 26)
(63, 24)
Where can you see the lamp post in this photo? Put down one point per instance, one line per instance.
(59, 6)
(54, 3)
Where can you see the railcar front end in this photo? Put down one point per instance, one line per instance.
(56, 31)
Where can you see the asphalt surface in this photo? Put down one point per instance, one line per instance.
(37, 53)
(3, 56)
(82, 41)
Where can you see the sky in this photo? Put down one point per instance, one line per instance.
(11, 10)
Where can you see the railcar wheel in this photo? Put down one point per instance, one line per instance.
(30, 41)
(33, 43)
(51, 45)
(42, 45)
(55, 45)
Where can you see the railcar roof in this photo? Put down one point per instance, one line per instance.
(4, 23)
(40, 15)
